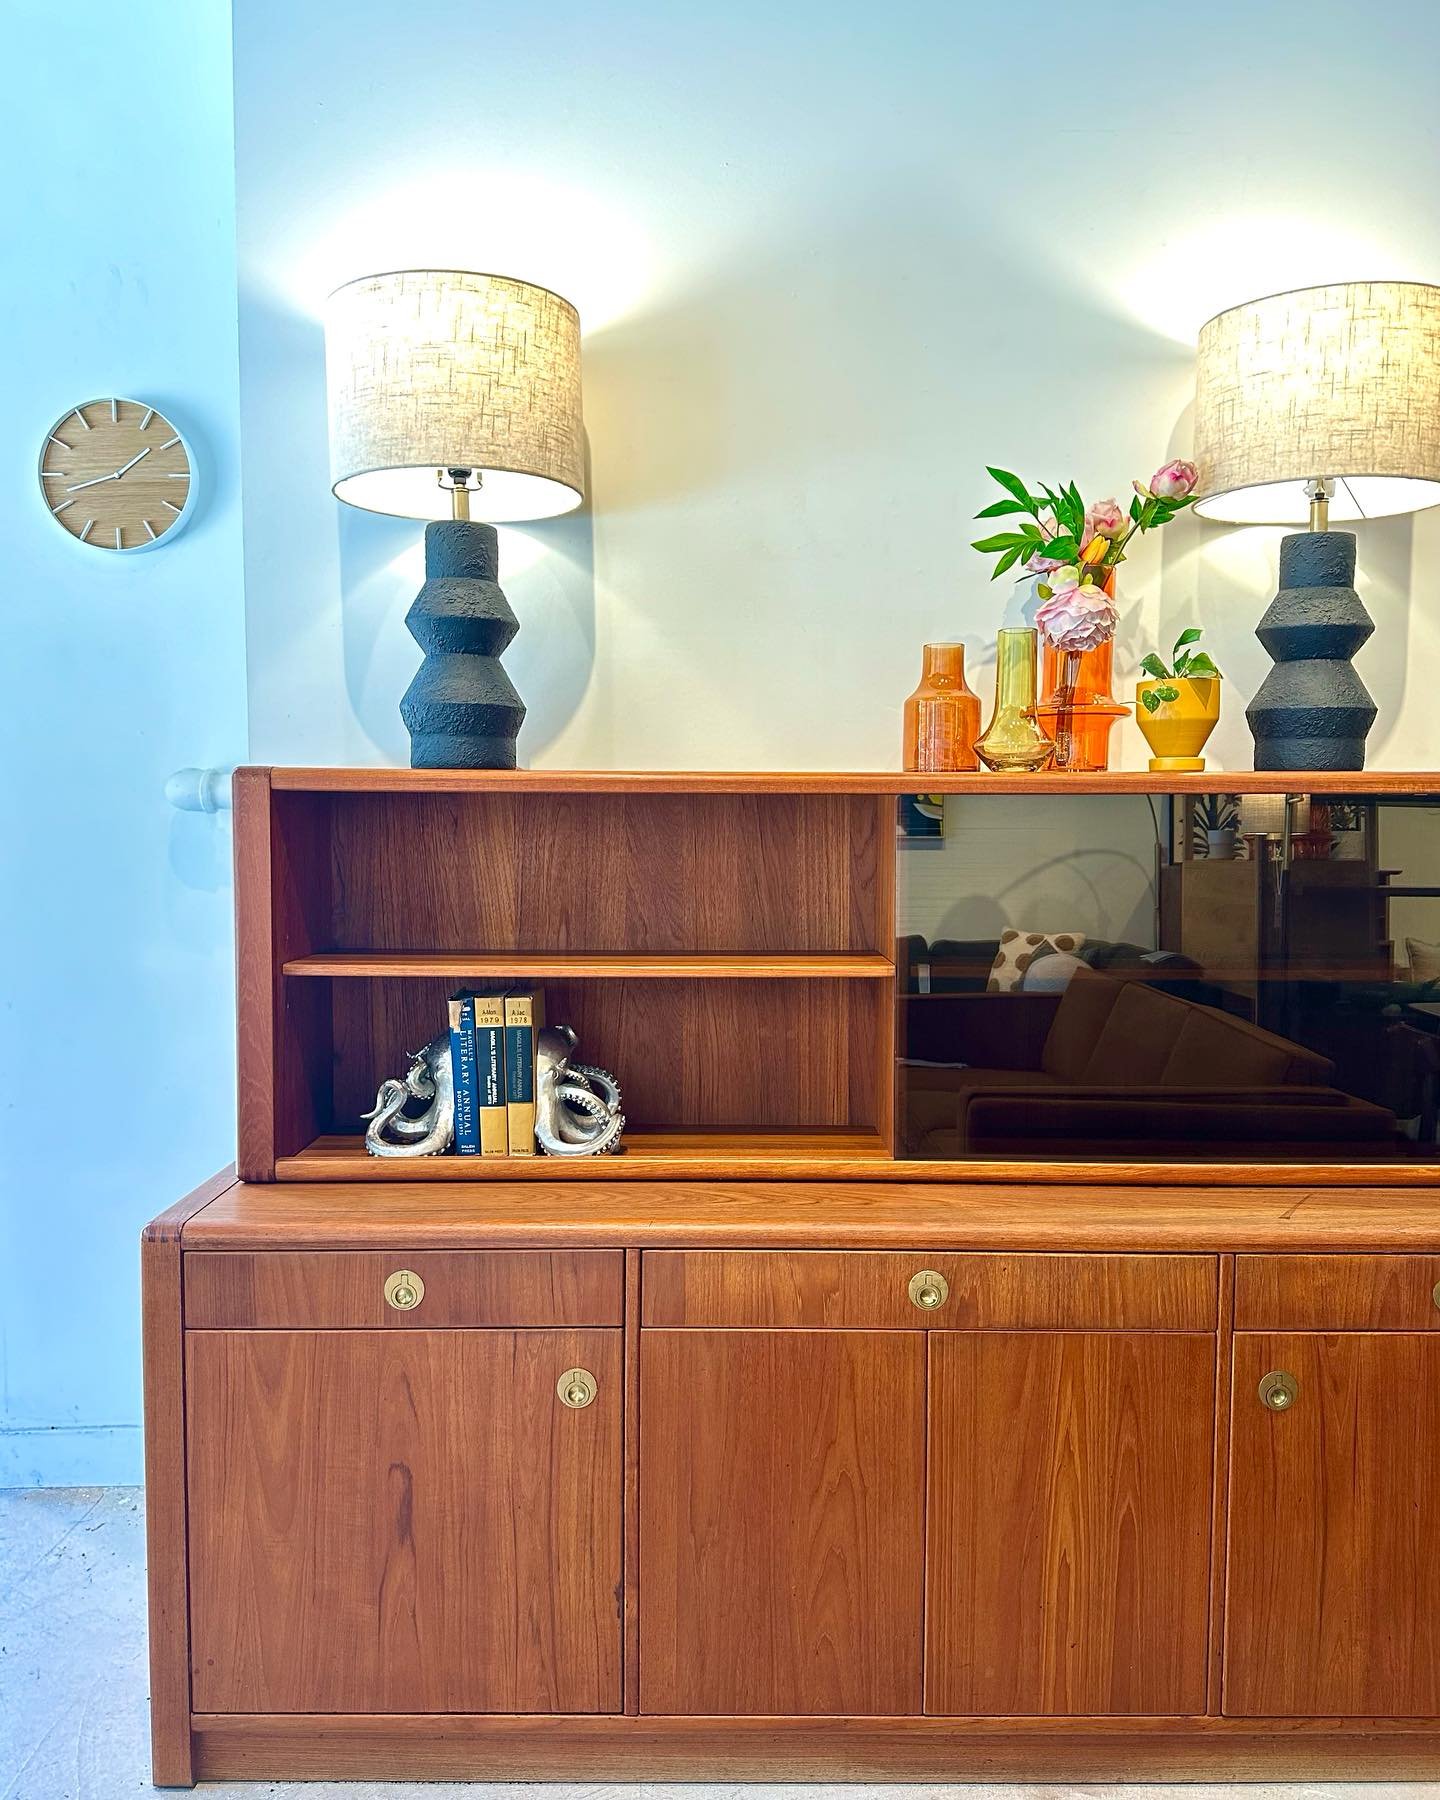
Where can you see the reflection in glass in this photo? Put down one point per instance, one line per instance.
(1136, 978)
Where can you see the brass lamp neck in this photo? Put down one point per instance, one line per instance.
(1319, 492)
(459, 482)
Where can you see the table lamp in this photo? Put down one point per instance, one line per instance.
(455, 397)
(1317, 405)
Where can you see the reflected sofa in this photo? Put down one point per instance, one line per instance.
(1119, 1068)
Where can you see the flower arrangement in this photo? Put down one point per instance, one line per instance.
(1075, 547)
(1064, 537)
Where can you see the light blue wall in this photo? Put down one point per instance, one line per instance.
(831, 258)
(116, 1009)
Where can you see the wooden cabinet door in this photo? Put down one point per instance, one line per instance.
(403, 1521)
(1070, 1478)
(782, 1521)
(1333, 1576)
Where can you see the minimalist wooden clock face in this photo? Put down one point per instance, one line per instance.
(116, 474)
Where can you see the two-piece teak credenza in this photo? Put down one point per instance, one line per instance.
(754, 1451)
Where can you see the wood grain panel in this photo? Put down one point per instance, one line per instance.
(687, 1054)
(1333, 1600)
(1068, 1523)
(403, 1522)
(803, 1213)
(454, 965)
(1337, 1293)
(282, 906)
(863, 781)
(781, 1536)
(742, 1155)
(1220, 1490)
(630, 1599)
(162, 1335)
(484, 870)
(271, 1290)
(605, 1751)
(870, 1291)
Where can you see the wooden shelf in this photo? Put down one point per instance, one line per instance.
(647, 1156)
(489, 965)
(864, 781)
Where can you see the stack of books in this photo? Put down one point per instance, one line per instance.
(492, 1052)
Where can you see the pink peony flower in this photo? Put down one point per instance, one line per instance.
(1104, 519)
(1077, 617)
(1175, 481)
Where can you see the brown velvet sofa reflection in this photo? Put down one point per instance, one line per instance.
(1118, 1068)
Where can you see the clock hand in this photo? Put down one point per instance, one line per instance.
(115, 476)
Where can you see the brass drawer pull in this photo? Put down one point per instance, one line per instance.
(576, 1388)
(404, 1290)
(929, 1290)
(1278, 1390)
(1435, 1293)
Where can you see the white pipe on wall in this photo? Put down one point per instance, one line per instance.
(200, 790)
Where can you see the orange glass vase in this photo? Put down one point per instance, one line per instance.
(1079, 710)
(942, 716)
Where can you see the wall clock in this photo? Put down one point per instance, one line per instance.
(117, 475)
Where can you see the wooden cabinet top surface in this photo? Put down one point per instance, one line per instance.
(805, 1214)
(826, 781)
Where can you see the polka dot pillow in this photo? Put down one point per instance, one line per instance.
(1018, 949)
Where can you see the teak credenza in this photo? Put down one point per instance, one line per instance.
(752, 1452)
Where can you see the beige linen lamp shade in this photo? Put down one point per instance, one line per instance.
(432, 370)
(1340, 384)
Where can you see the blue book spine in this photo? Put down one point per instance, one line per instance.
(462, 1063)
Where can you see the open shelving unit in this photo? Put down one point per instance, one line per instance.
(726, 949)
(724, 942)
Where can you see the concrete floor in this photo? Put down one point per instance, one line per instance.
(73, 1685)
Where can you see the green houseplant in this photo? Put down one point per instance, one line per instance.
(1178, 707)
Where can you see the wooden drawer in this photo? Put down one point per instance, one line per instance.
(869, 1290)
(1337, 1293)
(295, 1289)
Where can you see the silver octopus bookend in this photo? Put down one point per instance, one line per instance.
(430, 1084)
(577, 1108)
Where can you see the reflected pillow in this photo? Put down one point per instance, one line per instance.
(1050, 973)
(1424, 959)
(1018, 949)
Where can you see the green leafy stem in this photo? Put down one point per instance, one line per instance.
(1186, 664)
(1065, 543)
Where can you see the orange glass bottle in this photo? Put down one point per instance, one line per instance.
(942, 716)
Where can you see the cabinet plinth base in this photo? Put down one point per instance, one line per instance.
(455, 1747)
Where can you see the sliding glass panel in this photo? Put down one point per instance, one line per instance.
(1138, 978)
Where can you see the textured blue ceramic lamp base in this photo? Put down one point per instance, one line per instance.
(461, 710)
(1313, 711)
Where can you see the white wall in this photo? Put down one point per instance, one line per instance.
(831, 259)
(117, 1022)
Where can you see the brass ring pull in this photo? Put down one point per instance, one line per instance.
(929, 1290)
(1435, 1293)
(404, 1290)
(1279, 1390)
(576, 1388)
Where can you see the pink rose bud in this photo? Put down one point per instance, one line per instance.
(1104, 519)
(1175, 481)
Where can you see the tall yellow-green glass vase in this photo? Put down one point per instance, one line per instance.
(1015, 742)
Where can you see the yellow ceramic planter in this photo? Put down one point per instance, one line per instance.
(1177, 730)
